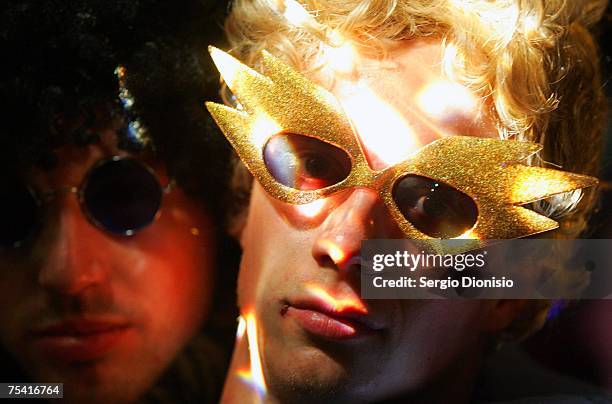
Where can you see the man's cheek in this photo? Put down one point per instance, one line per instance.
(248, 280)
(12, 314)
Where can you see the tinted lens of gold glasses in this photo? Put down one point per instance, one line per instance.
(434, 208)
(305, 163)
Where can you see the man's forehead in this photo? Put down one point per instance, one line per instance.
(403, 102)
(74, 161)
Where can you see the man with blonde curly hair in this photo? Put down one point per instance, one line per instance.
(406, 73)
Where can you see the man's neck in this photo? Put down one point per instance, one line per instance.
(456, 385)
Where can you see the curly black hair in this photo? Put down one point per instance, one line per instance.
(59, 60)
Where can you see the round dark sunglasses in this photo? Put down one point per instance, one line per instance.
(119, 195)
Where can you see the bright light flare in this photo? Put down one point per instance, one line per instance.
(241, 328)
(262, 128)
(340, 59)
(311, 209)
(531, 187)
(530, 25)
(451, 54)
(338, 305)
(293, 11)
(335, 252)
(468, 235)
(381, 128)
(254, 355)
(444, 100)
(254, 376)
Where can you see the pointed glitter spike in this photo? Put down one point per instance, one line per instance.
(236, 125)
(247, 84)
(510, 222)
(290, 103)
(302, 105)
(283, 75)
(247, 135)
(530, 184)
(480, 168)
(280, 72)
(231, 69)
(230, 120)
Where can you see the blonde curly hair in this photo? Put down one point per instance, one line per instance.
(539, 71)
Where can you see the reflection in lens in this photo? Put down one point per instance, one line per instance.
(305, 163)
(18, 215)
(434, 208)
(122, 196)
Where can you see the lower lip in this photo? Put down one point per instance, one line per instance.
(80, 348)
(322, 325)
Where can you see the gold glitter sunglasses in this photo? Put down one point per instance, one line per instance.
(295, 138)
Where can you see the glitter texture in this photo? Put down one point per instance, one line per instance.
(488, 170)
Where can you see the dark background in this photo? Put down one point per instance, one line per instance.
(577, 340)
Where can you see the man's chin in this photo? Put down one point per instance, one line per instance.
(305, 372)
(97, 382)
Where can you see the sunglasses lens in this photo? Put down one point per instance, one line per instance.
(305, 163)
(18, 215)
(434, 208)
(122, 196)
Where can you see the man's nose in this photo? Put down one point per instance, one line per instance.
(363, 215)
(75, 251)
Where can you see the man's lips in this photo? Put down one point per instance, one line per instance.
(79, 339)
(321, 318)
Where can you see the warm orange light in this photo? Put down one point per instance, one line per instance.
(337, 304)
(537, 182)
(335, 252)
(468, 235)
(529, 185)
(253, 376)
(254, 354)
